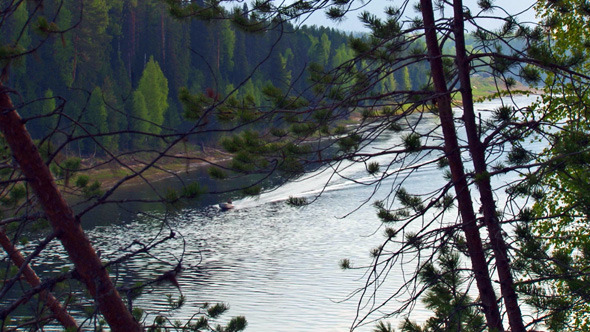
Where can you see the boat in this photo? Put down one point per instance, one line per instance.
(226, 206)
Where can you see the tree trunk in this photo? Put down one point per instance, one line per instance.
(483, 180)
(453, 154)
(31, 277)
(61, 216)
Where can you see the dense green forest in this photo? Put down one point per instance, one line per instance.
(122, 60)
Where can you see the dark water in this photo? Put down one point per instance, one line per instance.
(275, 264)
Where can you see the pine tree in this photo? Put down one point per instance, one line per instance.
(446, 296)
(153, 85)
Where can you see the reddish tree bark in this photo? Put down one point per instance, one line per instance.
(477, 150)
(31, 277)
(63, 221)
(453, 154)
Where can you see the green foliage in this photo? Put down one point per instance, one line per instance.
(409, 326)
(373, 167)
(349, 143)
(291, 165)
(243, 162)
(410, 201)
(15, 195)
(93, 190)
(553, 237)
(200, 323)
(95, 121)
(252, 191)
(562, 293)
(482, 177)
(389, 216)
(282, 101)
(228, 41)
(386, 216)
(303, 129)
(171, 196)
(82, 181)
(369, 113)
(236, 324)
(49, 106)
(503, 114)
(193, 190)
(96, 61)
(359, 46)
(139, 118)
(485, 5)
(345, 264)
(173, 303)
(413, 240)
(248, 140)
(216, 173)
(242, 111)
(390, 233)
(442, 162)
(194, 104)
(20, 30)
(278, 132)
(510, 82)
(46, 150)
(138, 313)
(71, 164)
(412, 142)
(502, 64)
(531, 75)
(445, 295)
(44, 28)
(518, 155)
(217, 310)
(339, 130)
(560, 212)
(99, 48)
(447, 202)
(383, 327)
(153, 85)
(253, 152)
(67, 169)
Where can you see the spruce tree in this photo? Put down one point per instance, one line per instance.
(153, 85)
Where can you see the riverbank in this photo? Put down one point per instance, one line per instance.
(191, 157)
(150, 167)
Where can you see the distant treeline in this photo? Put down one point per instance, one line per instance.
(124, 60)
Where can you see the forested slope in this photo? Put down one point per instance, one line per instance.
(95, 70)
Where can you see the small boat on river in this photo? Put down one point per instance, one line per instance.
(226, 206)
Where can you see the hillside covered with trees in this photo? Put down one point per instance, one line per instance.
(122, 60)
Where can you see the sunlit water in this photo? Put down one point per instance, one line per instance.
(275, 264)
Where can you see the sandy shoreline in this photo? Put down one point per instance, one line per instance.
(109, 175)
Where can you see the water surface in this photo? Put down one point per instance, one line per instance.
(275, 264)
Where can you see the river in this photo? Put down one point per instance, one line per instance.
(275, 264)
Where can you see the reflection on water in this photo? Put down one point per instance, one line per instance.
(273, 263)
